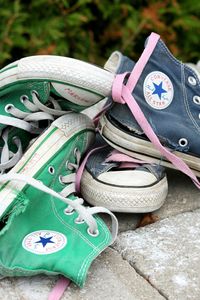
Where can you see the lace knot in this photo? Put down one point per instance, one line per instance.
(117, 88)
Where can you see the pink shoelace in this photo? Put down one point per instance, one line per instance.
(59, 289)
(126, 161)
(121, 93)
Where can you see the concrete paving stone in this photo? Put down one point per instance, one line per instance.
(183, 195)
(167, 254)
(27, 288)
(110, 277)
(126, 221)
(113, 278)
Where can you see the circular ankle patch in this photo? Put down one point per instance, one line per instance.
(44, 242)
(158, 90)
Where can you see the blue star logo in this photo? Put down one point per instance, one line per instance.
(44, 241)
(158, 89)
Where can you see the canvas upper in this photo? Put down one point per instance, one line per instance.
(44, 226)
(36, 90)
(168, 93)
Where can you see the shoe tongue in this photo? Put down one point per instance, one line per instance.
(118, 63)
(157, 170)
(113, 62)
(195, 68)
(43, 89)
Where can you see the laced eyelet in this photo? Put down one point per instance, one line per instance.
(68, 166)
(68, 213)
(93, 234)
(75, 151)
(192, 80)
(60, 179)
(196, 100)
(8, 107)
(79, 221)
(183, 142)
(35, 92)
(51, 170)
(23, 98)
(15, 138)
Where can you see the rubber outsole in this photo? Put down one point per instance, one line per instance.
(141, 148)
(73, 72)
(123, 199)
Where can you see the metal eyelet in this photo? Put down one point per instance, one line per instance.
(75, 151)
(8, 107)
(68, 213)
(183, 142)
(35, 92)
(196, 100)
(51, 170)
(15, 139)
(60, 179)
(192, 80)
(78, 221)
(93, 234)
(24, 98)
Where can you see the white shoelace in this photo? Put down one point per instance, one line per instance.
(85, 214)
(28, 121)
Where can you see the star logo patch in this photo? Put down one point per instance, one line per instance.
(158, 90)
(44, 242)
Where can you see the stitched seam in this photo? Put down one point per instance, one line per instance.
(76, 231)
(87, 262)
(67, 225)
(8, 77)
(90, 257)
(177, 62)
(185, 99)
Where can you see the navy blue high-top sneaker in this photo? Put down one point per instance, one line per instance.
(168, 93)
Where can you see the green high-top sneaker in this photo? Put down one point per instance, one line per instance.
(44, 226)
(36, 90)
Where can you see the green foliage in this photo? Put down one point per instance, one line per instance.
(91, 30)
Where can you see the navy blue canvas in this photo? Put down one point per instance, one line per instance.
(168, 93)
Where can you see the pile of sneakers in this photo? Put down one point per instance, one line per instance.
(52, 156)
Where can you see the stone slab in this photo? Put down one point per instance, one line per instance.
(183, 195)
(110, 277)
(167, 254)
(125, 221)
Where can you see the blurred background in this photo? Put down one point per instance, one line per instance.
(91, 30)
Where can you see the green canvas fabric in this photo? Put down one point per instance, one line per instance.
(36, 235)
(11, 93)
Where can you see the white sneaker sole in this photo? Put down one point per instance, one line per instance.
(86, 84)
(79, 82)
(124, 199)
(140, 148)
